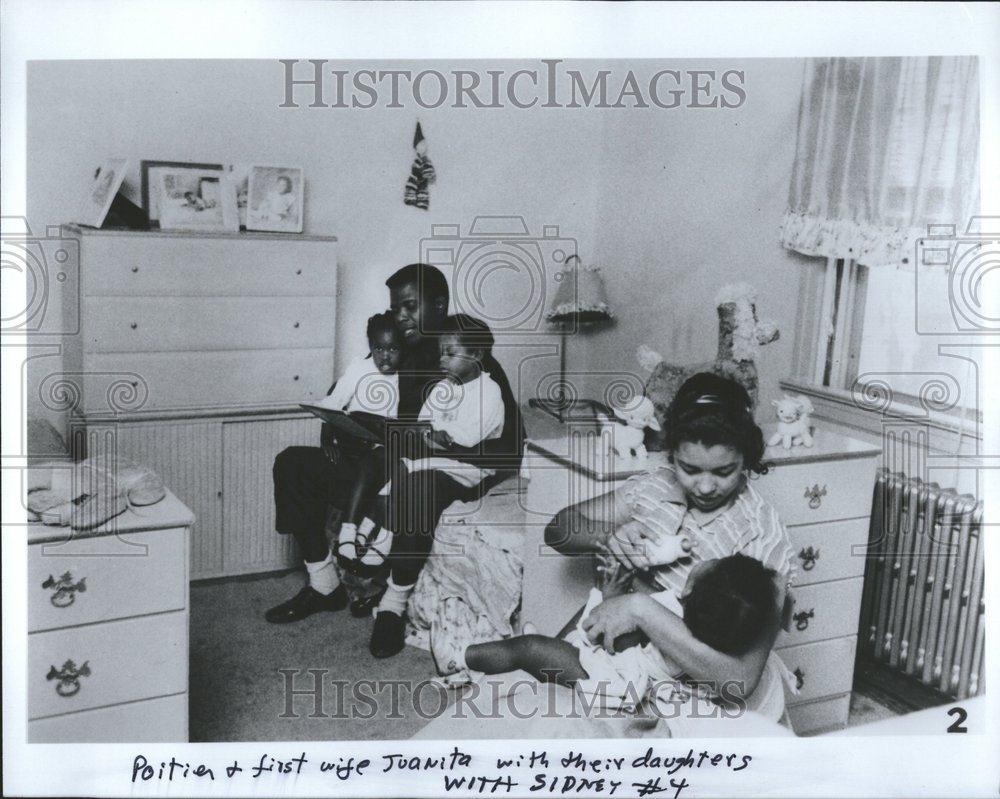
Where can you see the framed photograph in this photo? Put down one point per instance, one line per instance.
(192, 201)
(150, 172)
(275, 195)
(107, 180)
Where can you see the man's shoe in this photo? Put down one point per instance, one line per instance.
(305, 603)
(387, 635)
(362, 606)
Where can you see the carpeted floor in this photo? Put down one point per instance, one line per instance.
(238, 690)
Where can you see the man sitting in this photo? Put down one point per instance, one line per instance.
(309, 479)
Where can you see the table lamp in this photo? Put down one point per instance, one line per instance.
(580, 301)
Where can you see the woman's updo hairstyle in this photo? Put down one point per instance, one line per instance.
(710, 409)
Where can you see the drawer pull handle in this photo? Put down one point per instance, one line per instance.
(295, 377)
(134, 325)
(802, 618)
(298, 271)
(800, 678)
(65, 591)
(815, 495)
(295, 325)
(69, 677)
(135, 268)
(809, 557)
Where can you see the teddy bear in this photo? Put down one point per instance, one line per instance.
(629, 432)
(794, 426)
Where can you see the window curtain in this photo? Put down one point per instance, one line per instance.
(886, 146)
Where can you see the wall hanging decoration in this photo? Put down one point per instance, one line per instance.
(422, 174)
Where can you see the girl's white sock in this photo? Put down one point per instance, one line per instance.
(395, 598)
(323, 577)
(378, 550)
(346, 541)
(365, 529)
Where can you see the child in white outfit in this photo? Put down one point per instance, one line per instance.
(466, 408)
(461, 412)
(369, 385)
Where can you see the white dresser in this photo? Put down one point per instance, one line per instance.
(822, 494)
(194, 352)
(108, 628)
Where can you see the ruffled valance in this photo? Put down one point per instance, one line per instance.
(864, 242)
(886, 147)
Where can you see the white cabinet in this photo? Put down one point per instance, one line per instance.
(194, 352)
(108, 629)
(249, 543)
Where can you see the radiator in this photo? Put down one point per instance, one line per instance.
(922, 609)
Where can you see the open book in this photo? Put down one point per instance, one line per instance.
(357, 424)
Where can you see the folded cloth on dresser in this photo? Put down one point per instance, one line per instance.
(471, 584)
(88, 493)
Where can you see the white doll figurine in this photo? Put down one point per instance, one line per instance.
(794, 426)
(629, 433)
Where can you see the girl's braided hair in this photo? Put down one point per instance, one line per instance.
(710, 409)
(380, 323)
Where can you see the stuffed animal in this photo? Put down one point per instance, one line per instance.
(741, 336)
(628, 434)
(794, 426)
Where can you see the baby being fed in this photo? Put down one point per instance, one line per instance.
(725, 604)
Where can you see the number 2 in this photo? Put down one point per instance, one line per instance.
(960, 716)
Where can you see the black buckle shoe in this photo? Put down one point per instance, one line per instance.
(387, 635)
(362, 606)
(305, 603)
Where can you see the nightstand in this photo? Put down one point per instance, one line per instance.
(108, 628)
(823, 495)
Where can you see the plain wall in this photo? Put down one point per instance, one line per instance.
(671, 204)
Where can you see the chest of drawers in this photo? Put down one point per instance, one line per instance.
(822, 494)
(193, 353)
(108, 628)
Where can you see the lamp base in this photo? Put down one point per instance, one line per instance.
(570, 410)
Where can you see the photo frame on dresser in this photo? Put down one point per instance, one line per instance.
(108, 178)
(149, 182)
(197, 202)
(275, 198)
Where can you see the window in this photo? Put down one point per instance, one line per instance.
(866, 331)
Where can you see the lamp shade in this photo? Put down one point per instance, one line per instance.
(580, 295)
